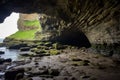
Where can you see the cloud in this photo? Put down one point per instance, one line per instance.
(9, 26)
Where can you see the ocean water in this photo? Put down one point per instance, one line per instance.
(13, 54)
(1, 40)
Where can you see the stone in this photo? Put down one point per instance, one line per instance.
(59, 46)
(17, 46)
(73, 78)
(29, 79)
(85, 76)
(36, 63)
(116, 61)
(25, 49)
(41, 55)
(40, 51)
(54, 52)
(47, 76)
(38, 72)
(14, 74)
(8, 60)
(86, 62)
(2, 52)
(1, 60)
(5, 60)
(54, 72)
(76, 59)
(33, 49)
(24, 54)
(48, 44)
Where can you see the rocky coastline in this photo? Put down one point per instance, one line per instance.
(53, 61)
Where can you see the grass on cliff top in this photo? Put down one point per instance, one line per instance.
(35, 23)
(24, 35)
(29, 34)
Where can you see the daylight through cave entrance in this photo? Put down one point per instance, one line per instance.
(9, 26)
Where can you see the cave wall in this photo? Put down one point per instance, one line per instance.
(98, 19)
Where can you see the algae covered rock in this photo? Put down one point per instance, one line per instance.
(54, 52)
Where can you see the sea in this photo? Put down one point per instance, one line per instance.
(1, 40)
(13, 54)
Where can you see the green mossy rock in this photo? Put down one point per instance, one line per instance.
(54, 52)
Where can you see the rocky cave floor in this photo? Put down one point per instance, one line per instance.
(70, 64)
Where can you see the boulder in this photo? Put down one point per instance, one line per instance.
(41, 55)
(17, 46)
(1, 60)
(36, 72)
(8, 60)
(48, 44)
(40, 51)
(5, 60)
(14, 74)
(54, 72)
(59, 46)
(27, 54)
(25, 49)
(2, 52)
(76, 59)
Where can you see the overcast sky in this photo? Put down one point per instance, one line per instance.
(9, 26)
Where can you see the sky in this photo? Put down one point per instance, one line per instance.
(9, 26)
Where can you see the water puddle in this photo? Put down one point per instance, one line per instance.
(13, 54)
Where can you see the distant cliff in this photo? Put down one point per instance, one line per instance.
(28, 26)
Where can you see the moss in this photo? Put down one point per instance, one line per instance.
(48, 44)
(59, 46)
(34, 23)
(24, 35)
(55, 45)
(43, 51)
(54, 52)
(33, 49)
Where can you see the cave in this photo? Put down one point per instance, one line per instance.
(83, 26)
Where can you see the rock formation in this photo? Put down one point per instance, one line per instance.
(80, 21)
(24, 18)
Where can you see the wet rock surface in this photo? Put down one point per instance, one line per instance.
(2, 60)
(15, 74)
(25, 49)
(17, 46)
(2, 52)
(70, 64)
